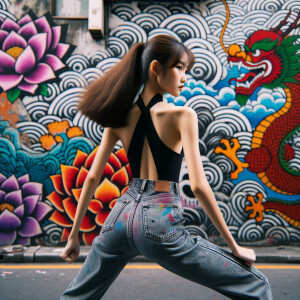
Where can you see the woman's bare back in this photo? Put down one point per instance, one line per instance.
(165, 121)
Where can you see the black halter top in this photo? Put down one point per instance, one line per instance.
(167, 161)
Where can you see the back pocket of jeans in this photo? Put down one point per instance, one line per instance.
(161, 221)
(112, 218)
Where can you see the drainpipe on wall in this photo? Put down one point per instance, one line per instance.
(96, 23)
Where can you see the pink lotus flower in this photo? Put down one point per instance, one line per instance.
(30, 54)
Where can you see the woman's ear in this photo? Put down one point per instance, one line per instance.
(154, 67)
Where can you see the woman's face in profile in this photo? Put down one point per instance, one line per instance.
(173, 80)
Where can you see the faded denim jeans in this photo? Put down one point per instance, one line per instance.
(148, 222)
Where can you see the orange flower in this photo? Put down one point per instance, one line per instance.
(74, 131)
(68, 185)
(48, 141)
(58, 127)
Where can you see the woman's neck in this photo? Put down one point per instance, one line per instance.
(150, 89)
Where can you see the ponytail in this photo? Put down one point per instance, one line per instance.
(108, 99)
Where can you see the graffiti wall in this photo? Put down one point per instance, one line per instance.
(244, 87)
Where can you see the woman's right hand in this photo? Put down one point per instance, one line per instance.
(71, 251)
(248, 255)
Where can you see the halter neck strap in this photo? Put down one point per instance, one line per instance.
(155, 99)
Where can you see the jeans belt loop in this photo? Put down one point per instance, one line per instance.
(177, 188)
(143, 185)
(141, 190)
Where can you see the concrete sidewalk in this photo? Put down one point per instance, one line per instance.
(38, 254)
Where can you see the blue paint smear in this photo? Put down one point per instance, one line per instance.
(168, 210)
(119, 225)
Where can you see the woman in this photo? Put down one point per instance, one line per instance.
(147, 219)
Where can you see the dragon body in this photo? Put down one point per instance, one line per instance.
(272, 60)
(271, 151)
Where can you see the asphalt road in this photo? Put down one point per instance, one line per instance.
(136, 282)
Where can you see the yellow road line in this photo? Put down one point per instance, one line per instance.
(141, 267)
(276, 267)
(40, 267)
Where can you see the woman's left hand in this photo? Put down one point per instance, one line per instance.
(248, 255)
(71, 252)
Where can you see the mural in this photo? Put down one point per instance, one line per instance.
(244, 87)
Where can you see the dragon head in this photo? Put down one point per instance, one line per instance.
(270, 57)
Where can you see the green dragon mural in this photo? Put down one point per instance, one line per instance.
(272, 60)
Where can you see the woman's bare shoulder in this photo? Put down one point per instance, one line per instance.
(164, 111)
(174, 109)
(173, 116)
(181, 112)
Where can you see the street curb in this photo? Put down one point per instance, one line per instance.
(38, 254)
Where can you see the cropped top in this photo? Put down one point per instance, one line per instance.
(167, 161)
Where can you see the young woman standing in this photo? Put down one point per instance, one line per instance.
(148, 218)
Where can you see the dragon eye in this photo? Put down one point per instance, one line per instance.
(256, 53)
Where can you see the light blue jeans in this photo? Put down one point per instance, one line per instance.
(148, 222)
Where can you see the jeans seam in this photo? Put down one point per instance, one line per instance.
(114, 220)
(132, 214)
(225, 255)
(129, 226)
(131, 194)
(159, 196)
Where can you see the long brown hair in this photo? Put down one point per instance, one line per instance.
(108, 99)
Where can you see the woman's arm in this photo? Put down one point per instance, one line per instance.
(91, 182)
(109, 139)
(188, 127)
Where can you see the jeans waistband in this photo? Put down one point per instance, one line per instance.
(155, 185)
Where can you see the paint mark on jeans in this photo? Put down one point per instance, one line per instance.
(171, 218)
(226, 265)
(167, 211)
(125, 216)
(164, 200)
(135, 231)
(119, 225)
